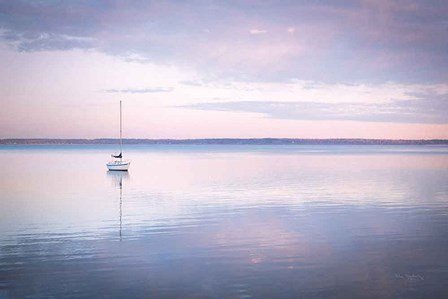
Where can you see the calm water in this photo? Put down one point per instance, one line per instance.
(225, 222)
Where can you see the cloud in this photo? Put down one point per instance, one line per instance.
(423, 108)
(193, 82)
(257, 31)
(332, 41)
(140, 90)
(48, 41)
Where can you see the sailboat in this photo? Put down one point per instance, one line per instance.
(118, 164)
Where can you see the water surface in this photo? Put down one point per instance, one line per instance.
(218, 221)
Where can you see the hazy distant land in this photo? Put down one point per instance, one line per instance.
(230, 141)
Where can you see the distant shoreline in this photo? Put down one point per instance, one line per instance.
(227, 141)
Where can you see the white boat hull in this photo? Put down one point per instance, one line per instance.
(118, 165)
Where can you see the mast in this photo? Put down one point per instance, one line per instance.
(121, 142)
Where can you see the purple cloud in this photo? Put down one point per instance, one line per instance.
(140, 90)
(424, 108)
(331, 41)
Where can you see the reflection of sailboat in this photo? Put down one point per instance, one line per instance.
(117, 178)
(118, 163)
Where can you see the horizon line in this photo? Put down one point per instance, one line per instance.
(223, 141)
(212, 138)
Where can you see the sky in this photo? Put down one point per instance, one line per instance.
(216, 69)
